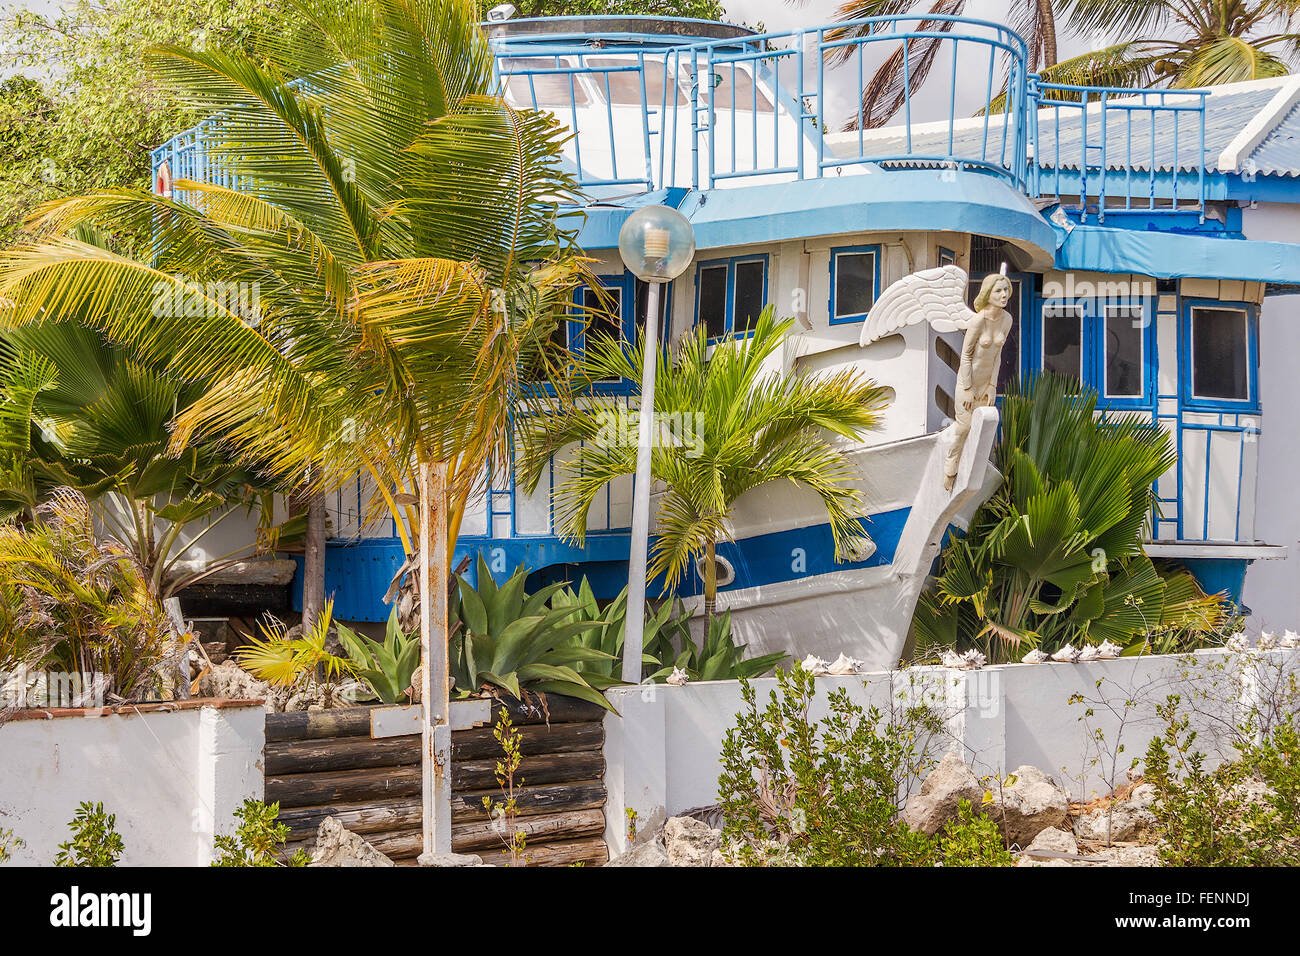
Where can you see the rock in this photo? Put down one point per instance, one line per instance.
(936, 803)
(451, 859)
(649, 853)
(1028, 806)
(1054, 839)
(232, 682)
(690, 842)
(1122, 823)
(338, 846)
(1132, 856)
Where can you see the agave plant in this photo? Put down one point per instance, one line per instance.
(388, 667)
(721, 658)
(503, 638)
(1056, 556)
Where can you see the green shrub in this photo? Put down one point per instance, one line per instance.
(258, 840)
(95, 840)
(8, 843)
(829, 793)
(1242, 813)
(972, 839)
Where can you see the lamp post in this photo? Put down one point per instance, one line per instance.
(656, 244)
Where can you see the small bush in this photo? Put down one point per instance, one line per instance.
(95, 840)
(829, 794)
(258, 840)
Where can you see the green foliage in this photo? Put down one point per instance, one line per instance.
(95, 840)
(73, 604)
(1244, 812)
(742, 427)
(286, 661)
(8, 843)
(1055, 556)
(503, 812)
(827, 793)
(972, 839)
(697, 9)
(258, 840)
(667, 640)
(503, 638)
(387, 667)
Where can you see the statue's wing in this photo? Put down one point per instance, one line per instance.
(937, 296)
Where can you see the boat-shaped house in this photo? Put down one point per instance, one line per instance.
(1124, 219)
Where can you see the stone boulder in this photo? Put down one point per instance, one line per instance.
(1029, 805)
(941, 792)
(231, 681)
(648, 853)
(336, 845)
(690, 842)
(1128, 820)
(1054, 840)
(451, 859)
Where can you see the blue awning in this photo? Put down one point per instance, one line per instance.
(1165, 255)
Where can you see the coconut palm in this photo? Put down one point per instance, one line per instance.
(1056, 556)
(884, 93)
(743, 426)
(396, 220)
(1188, 43)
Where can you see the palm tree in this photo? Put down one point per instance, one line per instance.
(743, 426)
(1190, 43)
(884, 94)
(399, 222)
(1056, 555)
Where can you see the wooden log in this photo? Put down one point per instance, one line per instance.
(468, 804)
(544, 768)
(343, 786)
(318, 724)
(534, 739)
(558, 710)
(372, 817)
(340, 753)
(487, 835)
(589, 851)
(399, 844)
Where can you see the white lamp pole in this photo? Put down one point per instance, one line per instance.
(656, 244)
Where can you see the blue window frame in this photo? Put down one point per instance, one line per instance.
(1218, 345)
(623, 314)
(855, 282)
(1106, 343)
(947, 257)
(730, 294)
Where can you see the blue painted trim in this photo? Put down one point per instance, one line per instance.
(729, 306)
(831, 305)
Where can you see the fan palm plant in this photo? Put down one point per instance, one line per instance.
(398, 220)
(1056, 556)
(750, 425)
(99, 423)
(1183, 43)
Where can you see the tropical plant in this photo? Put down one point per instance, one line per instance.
(258, 839)
(750, 426)
(1055, 556)
(505, 640)
(75, 604)
(286, 661)
(388, 667)
(1182, 43)
(98, 420)
(8, 843)
(907, 67)
(399, 220)
(95, 840)
(504, 812)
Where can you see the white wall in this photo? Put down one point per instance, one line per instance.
(1273, 587)
(173, 778)
(662, 752)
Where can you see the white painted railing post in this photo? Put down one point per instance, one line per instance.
(435, 724)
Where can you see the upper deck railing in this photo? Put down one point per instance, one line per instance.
(671, 109)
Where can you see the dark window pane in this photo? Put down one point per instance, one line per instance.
(642, 300)
(1062, 346)
(1219, 354)
(855, 283)
(1124, 334)
(751, 291)
(713, 300)
(603, 317)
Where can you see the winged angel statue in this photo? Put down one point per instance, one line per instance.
(938, 296)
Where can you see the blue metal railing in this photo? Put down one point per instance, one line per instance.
(1128, 149)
